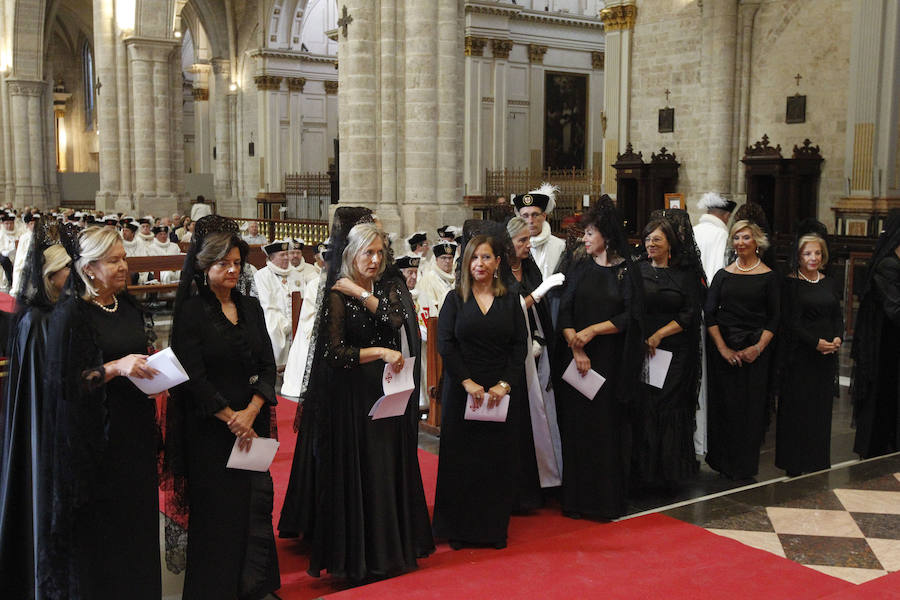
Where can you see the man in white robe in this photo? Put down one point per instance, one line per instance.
(711, 235)
(546, 249)
(8, 239)
(419, 246)
(161, 246)
(434, 283)
(252, 235)
(274, 283)
(144, 234)
(22, 251)
(133, 247)
(299, 264)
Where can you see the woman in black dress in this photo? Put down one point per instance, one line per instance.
(99, 488)
(46, 270)
(742, 311)
(219, 335)
(663, 418)
(811, 332)
(370, 503)
(540, 453)
(876, 349)
(482, 340)
(593, 317)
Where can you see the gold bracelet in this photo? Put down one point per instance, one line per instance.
(505, 386)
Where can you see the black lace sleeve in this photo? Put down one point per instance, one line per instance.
(626, 277)
(390, 304)
(188, 338)
(518, 348)
(338, 352)
(690, 307)
(566, 320)
(711, 308)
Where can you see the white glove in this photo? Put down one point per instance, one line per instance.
(536, 349)
(551, 282)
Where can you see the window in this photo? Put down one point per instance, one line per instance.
(87, 60)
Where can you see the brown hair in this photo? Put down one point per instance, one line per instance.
(464, 285)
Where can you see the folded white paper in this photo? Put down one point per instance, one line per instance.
(257, 458)
(657, 367)
(171, 373)
(397, 388)
(588, 385)
(483, 413)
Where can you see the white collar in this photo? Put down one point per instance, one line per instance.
(147, 237)
(278, 271)
(714, 220)
(543, 236)
(156, 242)
(449, 278)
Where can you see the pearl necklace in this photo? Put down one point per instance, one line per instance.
(114, 308)
(514, 269)
(807, 279)
(737, 264)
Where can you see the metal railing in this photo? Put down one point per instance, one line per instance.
(308, 195)
(311, 231)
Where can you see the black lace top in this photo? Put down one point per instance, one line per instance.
(351, 326)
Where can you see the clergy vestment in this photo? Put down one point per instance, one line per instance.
(433, 287)
(711, 235)
(547, 251)
(274, 287)
(157, 248)
(295, 369)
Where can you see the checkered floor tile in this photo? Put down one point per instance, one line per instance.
(852, 533)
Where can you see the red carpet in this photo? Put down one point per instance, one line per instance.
(550, 556)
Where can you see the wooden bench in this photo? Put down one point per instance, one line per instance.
(156, 265)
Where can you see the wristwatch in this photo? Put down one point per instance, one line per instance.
(364, 296)
(505, 386)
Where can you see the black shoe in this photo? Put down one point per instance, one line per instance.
(500, 545)
(456, 544)
(571, 514)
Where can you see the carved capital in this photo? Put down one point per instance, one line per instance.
(616, 18)
(200, 94)
(331, 87)
(475, 46)
(598, 60)
(295, 84)
(536, 53)
(268, 82)
(221, 66)
(501, 48)
(26, 88)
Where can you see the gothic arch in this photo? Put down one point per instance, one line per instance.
(29, 34)
(212, 15)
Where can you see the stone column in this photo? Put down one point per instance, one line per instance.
(162, 118)
(176, 135)
(109, 104)
(295, 87)
(27, 141)
(268, 86)
(202, 126)
(472, 159)
(450, 108)
(870, 162)
(618, 21)
(222, 165)
(7, 180)
(141, 63)
(123, 129)
(718, 76)
(741, 123)
(501, 50)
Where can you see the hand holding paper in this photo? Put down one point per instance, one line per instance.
(588, 384)
(171, 373)
(397, 388)
(657, 367)
(258, 458)
(496, 414)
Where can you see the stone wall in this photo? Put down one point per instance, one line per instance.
(812, 38)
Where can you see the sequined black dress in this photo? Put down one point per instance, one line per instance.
(369, 501)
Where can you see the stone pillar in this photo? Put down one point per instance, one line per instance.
(450, 107)
(268, 86)
(109, 105)
(7, 179)
(202, 126)
(618, 21)
(28, 141)
(472, 160)
(141, 62)
(295, 87)
(741, 122)
(718, 76)
(123, 128)
(176, 135)
(501, 50)
(162, 116)
(222, 165)
(870, 162)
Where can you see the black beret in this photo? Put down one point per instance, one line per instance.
(407, 262)
(444, 248)
(533, 199)
(274, 247)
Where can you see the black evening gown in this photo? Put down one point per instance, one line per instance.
(877, 400)
(663, 419)
(476, 467)
(20, 417)
(593, 430)
(803, 430)
(231, 543)
(104, 443)
(528, 483)
(370, 503)
(742, 306)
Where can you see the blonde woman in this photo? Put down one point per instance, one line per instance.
(742, 312)
(482, 340)
(101, 500)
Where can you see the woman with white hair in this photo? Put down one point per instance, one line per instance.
(370, 501)
(100, 499)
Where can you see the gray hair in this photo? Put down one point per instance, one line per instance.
(515, 226)
(360, 238)
(95, 243)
